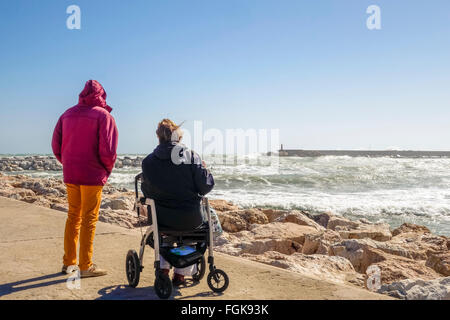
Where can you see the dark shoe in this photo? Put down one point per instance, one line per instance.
(64, 269)
(178, 280)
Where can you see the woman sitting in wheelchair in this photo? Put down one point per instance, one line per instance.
(176, 180)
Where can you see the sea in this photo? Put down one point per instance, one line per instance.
(380, 189)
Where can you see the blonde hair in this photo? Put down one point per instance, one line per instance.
(168, 131)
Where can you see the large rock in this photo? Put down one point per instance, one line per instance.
(281, 230)
(123, 218)
(300, 218)
(277, 236)
(399, 249)
(17, 193)
(229, 243)
(379, 232)
(338, 221)
(413, 289)
(359, 229)
(44, 187)
(120, 203)
(364, 252)
(409, 227)
(232, 221)
(359, 252)
(440, 263)
(327, 268)
(222, 205)
(395, 268)
(320, 242)
(279, 245)
(238, 220)
(274, 214)
(323, 218)
(421, 245)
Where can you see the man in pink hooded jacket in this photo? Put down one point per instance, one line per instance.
(85, 142)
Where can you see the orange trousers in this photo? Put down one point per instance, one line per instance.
(84, 205)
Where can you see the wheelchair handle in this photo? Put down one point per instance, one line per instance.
(136, 179)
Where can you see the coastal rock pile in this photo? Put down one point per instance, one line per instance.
(38, 163)
(318, 245)
(413, 262)
(49, 163)
(409, 289)
(127, 161)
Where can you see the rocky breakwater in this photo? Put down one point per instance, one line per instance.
(38, 163)
(413, 263)
(49, 163)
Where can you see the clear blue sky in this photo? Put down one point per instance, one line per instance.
(310, 68)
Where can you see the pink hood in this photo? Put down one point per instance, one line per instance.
(85, 138)
(93, 95)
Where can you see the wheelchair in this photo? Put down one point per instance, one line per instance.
(165, 242)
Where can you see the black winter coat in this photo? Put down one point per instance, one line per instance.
(176, 188)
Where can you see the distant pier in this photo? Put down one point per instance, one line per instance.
(363, 153)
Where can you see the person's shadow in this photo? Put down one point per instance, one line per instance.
(27, 284)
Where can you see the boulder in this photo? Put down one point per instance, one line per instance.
(364, 252)
(395, 268)
(16, 193)
(320, 242)
(345, 224)
(323, 218)
(123, 218)
(273, 214)
(232, 221)
(360, 253)
(264, 245)
(440, 263)
(300, 218)
(238, 220)
(127, 162)
(409, 227)
(222, 205)
(281, 237)
(120, 203)
(281, 230)
(421, 245)
(327, 268)
(228, 243)
(45, 187)
(379, 232)
(414, 289)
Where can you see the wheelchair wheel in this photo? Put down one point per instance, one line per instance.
(133, 268)
(163, 286)
(218, 280)
(201, 268)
